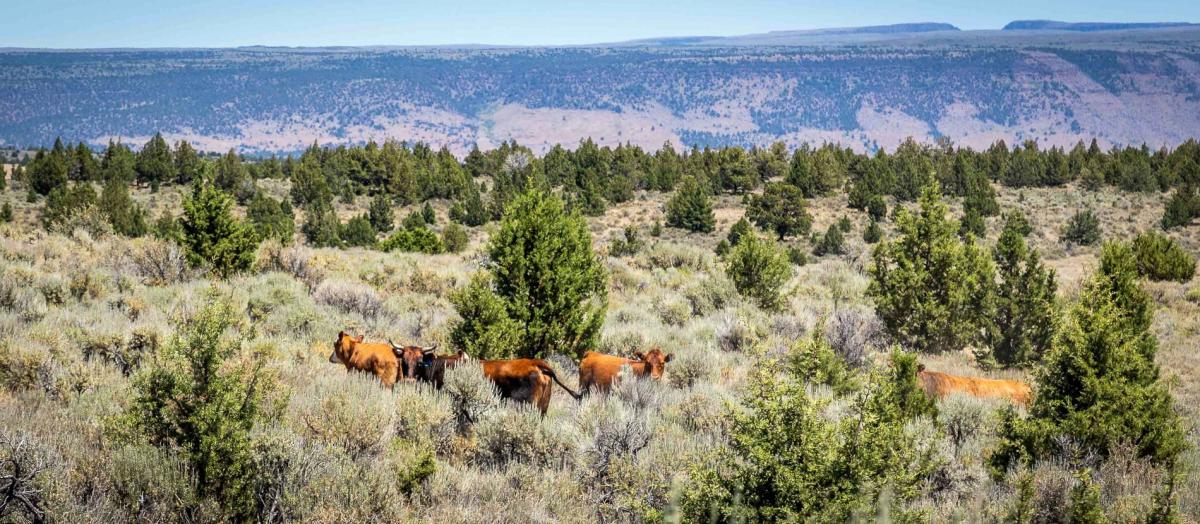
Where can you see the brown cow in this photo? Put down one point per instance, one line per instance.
(369, 357)
(421, 363)
(524, 380)
(937, 384)
(599, 371)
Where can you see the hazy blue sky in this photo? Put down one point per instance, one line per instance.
(132, 23)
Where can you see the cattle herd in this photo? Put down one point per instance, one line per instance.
(528, 379)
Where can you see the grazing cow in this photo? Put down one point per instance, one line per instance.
(599, 371)
(524, 380)
(421, 363)
(369, 357)
(937, 384)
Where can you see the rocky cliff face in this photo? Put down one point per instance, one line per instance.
(973, 87)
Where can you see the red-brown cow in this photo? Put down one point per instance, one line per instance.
(369, 357)
(524, 380)
(937, 384)
(600, 371)
(421, 363)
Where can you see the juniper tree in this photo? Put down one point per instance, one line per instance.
(154, 163)
(551, 283)
(271, 218)
(118, 163)
(486, 330)
(321, 225)
(469, 209)
(1026, 315)
(759, 269)
(48, 170)
(1099, 386)
(203, 401)
(930, 288)
(358, 232)
(126, 217)
(188, 164)
(84, 166)
(1161, 258)
(781, 210)
(831, 242)
(690, 209)
(381, 213)
(1183, 206)
(212, 237)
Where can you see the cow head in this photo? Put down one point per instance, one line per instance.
(655, 361)
(343, 347)
(413, 359)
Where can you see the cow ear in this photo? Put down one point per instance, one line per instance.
(360, 338)
(639, 355)
(429, 356)
(669, 357)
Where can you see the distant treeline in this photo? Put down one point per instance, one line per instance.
(592, 177)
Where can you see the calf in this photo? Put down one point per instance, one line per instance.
(421, 363)
(369, 357)
(938, 385)
(599, 371)
(524, 380)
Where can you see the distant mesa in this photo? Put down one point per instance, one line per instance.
(1054, 25)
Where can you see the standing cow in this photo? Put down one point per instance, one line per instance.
(524, 380)
(599, 371)
(422, 363)
(369, 357)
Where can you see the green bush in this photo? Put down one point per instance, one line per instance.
(932, 290)
(469, 210)
(873, 233)
(690, 209)
(486, 330)
(1099, 386)
(202, 401)
(271, 218)
(381, 214)
(64, 203)
(877, 208)
(546, 277)
(454, 238)
(1083, 228)
(1183, 206)
(831, 242)
(212, 237)
(1161, 258)
(788, 462)
(126, 217)
(1026, 316)
(321, 226)
(781, 210)
(414, 240)
(627, 245)
(797, 256)
(358, 232)
(759, 269)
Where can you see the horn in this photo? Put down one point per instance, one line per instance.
(429, 348)
(393, 344)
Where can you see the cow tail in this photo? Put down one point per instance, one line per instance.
(545, 368)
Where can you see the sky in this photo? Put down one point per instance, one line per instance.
(230, 23)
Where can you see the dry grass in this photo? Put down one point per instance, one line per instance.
(76, 315)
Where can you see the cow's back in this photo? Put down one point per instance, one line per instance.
(375, 358)
(520, 380)
(939, 385)
(599, 371)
